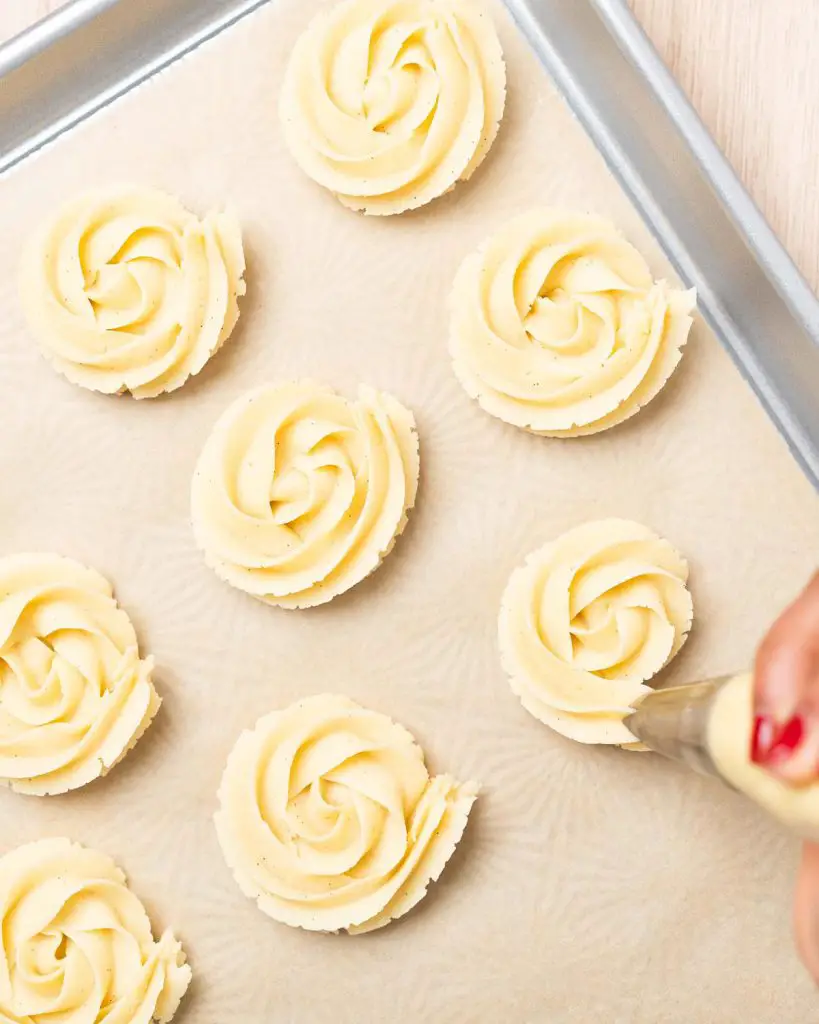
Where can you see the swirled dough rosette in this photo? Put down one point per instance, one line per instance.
(587, 620)
(127, 291)
(558, 327)
(390, 104)
(76, 944)
(300, 493)
(74, 694)
(329, 819)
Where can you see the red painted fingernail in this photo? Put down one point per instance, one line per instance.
(764, 736)
(787, 741)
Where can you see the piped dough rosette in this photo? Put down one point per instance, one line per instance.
(127, 291)
(74, 694)
(558, 327)
(390, 104)
(587, 620)
(76, 944)
(300, 493)
(329, 819)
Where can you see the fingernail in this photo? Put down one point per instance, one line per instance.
(764, 736)
(772, 743)
(787, 741)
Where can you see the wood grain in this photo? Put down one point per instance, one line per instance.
(748, 66)
(16, 15)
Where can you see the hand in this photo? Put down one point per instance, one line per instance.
(786, 693)
(786, 736)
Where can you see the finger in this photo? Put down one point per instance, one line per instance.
(786, 692)
(790, 646)
(806, 909)
(784, 660)
(794, 756)
(789, 749)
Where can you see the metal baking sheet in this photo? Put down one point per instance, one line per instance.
(748, 288)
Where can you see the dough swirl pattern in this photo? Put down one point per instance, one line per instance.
(300, 493)
(558, 327)
(76, 944)
(587, 620)
(127, 291)
(329, 819)
(389, 105)
(74, 694)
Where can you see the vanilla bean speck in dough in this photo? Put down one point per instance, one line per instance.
(300, 493)
(76, 944)
(390, 105)
(558, 327)
(127, 291)
(75, 695)
(330, 820)
(588, 620)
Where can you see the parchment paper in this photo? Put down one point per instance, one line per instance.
(592, 885)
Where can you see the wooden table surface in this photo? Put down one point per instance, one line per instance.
(749, 68)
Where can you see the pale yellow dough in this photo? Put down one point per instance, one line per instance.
(329, 819)
(300, 493)
(127, 291)
(74, 694)
(76, 945)
(587, 621)
(390, 103)
(558, 327)
(729, 742)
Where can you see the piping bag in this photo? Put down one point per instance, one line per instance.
(707, 726)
